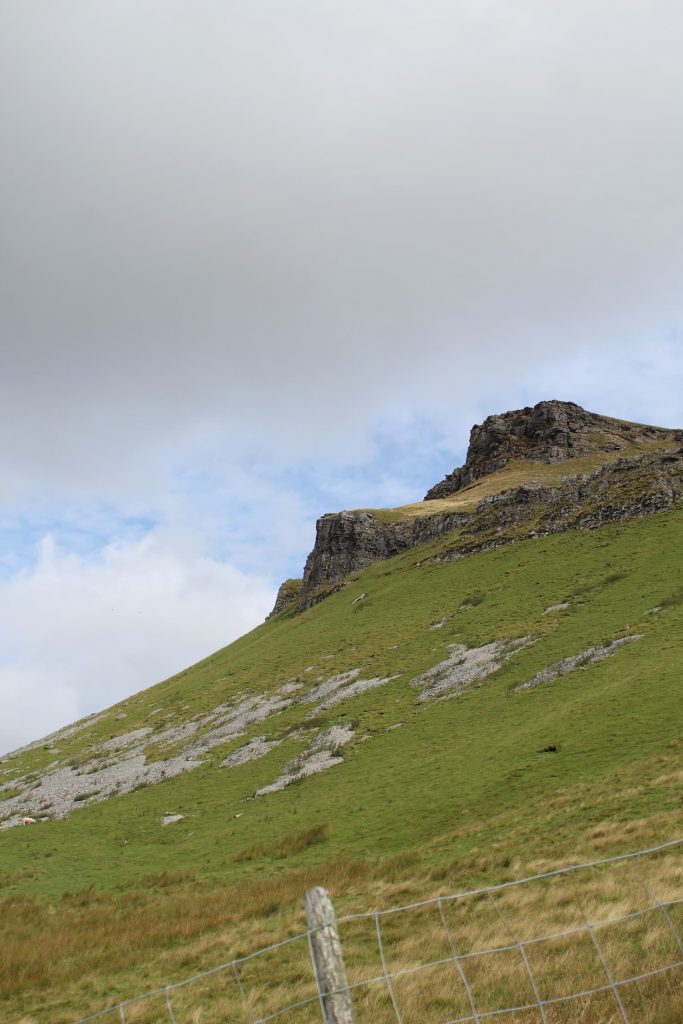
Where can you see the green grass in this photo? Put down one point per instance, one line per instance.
(462, 790)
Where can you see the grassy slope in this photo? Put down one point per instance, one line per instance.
(415, 805)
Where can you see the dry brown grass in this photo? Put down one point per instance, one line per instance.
(289, 845)
(567, 964)
(91, 946)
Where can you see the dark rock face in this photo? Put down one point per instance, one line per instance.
(344, 542)
(287, 593)
(549, 432)
(349, 541)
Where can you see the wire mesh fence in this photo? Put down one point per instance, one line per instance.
(600, 942)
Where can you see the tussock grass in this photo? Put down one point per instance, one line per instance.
(214, 926)
(288, 846)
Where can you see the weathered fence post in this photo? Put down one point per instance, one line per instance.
(328, 960)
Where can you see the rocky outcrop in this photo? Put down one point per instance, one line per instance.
(287, 593)
(549, 432)
(636, 484)
(346, 542)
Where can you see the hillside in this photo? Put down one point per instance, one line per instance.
(469, 688)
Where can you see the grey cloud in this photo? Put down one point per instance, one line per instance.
(268, 216)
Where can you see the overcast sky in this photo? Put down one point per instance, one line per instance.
(263, 259)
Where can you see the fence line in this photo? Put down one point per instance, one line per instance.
(324, 992)
(389, 976)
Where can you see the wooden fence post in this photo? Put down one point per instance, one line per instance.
(328, 960)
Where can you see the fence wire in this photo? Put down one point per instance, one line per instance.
(254, 979)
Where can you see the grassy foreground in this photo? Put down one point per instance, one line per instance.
(431, 797)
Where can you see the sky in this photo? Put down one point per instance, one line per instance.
(265, 259)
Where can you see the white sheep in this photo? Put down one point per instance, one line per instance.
(29, 821)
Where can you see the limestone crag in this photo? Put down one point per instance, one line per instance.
(643, 480)
(551, 431)
(349, 541)
(618, 492)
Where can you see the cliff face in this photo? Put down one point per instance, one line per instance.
(549, 432)
(287, 593)
(552, 432)
(349, 541)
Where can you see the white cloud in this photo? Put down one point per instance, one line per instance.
(79, 633)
